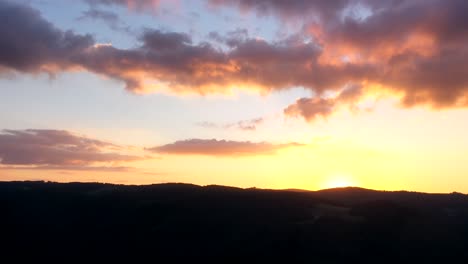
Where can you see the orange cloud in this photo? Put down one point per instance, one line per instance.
(312, 108)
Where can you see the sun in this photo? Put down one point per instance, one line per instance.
(339, 182)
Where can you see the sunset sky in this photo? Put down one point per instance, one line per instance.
(305, 94)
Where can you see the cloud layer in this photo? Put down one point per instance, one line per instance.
(215, 147)
(414, 49)
(56, 148)
(165, 60)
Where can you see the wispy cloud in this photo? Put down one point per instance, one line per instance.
(137, 5)
(247, 125)
(108, 17)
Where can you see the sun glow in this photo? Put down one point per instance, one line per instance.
(339, 182)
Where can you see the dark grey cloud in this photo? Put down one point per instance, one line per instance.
(55, 148)
(155, 40)
(213, 147)
(30, 43)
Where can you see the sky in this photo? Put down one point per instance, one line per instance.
(303, 94)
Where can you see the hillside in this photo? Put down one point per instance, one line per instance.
(89, 220)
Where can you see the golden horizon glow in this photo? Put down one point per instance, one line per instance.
(416, 153)
(349, 99)
(339, 181)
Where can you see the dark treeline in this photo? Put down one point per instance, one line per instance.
(47, 221)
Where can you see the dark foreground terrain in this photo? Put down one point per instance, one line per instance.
(88, 221)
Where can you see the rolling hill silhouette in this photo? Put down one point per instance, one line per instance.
(181, 221)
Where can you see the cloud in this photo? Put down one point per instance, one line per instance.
(72, 168)
(247, 125)
(250, 124)
(137, 5)
(110, 18)
(350, 93)
(287, 9)
(169, 61)
(207, 124)
(107, 16)
(215, 147)
(414, 49)
(312, 108)
(231, 38)
(31, 44)
(56, 148)
(164, 60)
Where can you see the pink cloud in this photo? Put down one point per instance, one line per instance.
(56, 148)
(215, 147)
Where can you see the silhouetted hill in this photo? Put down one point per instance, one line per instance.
(54, 221)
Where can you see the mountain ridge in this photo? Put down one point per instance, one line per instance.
(186, 221)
